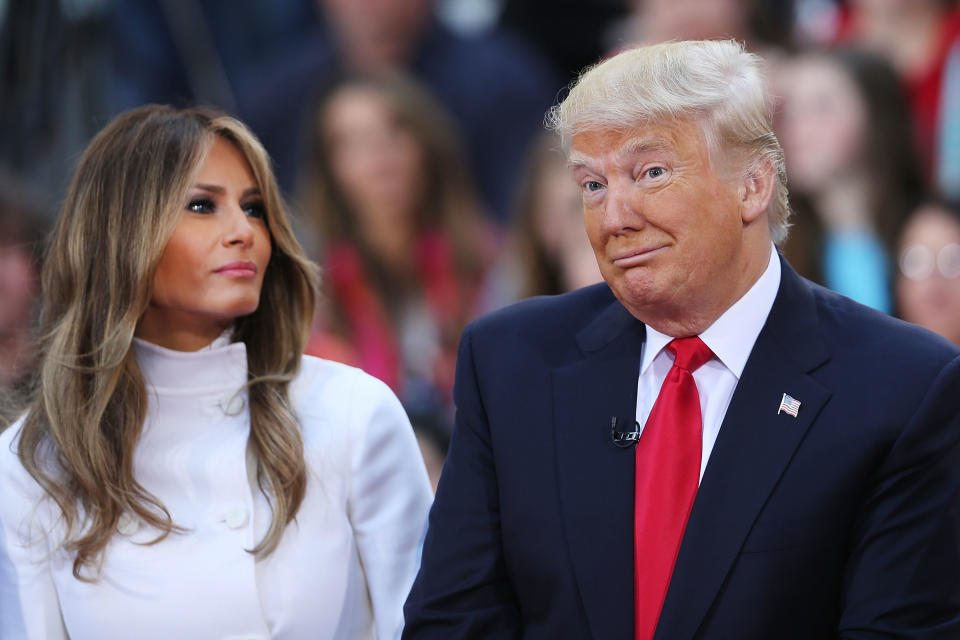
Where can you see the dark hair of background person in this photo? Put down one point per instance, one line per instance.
(570, 43)
(896, 179)
(55, 85)
(573, 43)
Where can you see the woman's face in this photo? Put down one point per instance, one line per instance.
(928, 284)
(212, 268)
(558, 209)
(558, 223)
(376, 160)
(824, 123)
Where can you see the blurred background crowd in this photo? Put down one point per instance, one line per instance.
(408, 138)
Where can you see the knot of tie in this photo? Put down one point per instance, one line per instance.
(689, 353)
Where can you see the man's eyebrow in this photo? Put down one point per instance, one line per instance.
(577, 160)
(641, 145)
(631, 147)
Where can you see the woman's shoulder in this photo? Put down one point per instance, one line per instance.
(322, 375)
(332, 389)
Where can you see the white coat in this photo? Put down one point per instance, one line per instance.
(341, 571)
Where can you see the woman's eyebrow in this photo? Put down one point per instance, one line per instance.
(213, 188)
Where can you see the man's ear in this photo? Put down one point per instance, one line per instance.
(757, 190)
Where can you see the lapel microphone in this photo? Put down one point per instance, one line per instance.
(624, 439)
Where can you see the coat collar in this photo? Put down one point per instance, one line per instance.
(220, 366)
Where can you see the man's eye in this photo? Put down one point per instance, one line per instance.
(593, 185)
(201, 205)
(656, 172)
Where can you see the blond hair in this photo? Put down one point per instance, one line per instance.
(714, 82)
(87, 412)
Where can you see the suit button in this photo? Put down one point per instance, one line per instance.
(232, 405)
(127, 525)
(236, 517)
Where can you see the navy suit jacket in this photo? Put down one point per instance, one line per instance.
(840, 522)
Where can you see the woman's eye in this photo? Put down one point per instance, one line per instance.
(201, 205)
(255, 210)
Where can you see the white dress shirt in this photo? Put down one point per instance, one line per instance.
(341, 570)
(731, 339)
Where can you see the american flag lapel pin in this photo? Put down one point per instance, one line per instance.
(789, 404)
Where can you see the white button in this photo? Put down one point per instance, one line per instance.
(127, 525)
(232, 405)
(236, 517)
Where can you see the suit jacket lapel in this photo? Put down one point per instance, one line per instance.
(595, 477)
(754, 446)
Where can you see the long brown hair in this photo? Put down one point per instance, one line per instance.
(86, 414)
(448, 201)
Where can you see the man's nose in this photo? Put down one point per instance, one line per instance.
(622, 208)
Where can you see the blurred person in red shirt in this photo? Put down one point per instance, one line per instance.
(403, 248)
(919, 38)
(20, 239)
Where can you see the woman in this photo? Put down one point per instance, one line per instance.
(928, 284)
(181, 471)
(852, 170)
(550, 252)
(403, 248)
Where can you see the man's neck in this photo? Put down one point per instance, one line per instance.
(686, 321)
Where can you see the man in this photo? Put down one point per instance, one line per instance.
(794, 468)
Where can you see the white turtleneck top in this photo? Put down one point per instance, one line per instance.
(341, 571)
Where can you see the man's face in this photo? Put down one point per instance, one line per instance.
(665, 225)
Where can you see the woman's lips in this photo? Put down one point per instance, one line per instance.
(635, 257)
(239, 269)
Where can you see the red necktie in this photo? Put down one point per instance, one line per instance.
(667, 476)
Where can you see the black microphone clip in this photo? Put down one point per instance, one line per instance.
(624, 439)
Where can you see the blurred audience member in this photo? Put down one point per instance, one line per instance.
(199, 51)
(495, 86)
(921, 38)
(845, 131)
(20, 238)
(403, 250)
(762, 24)
(928, 285)
(549, 252)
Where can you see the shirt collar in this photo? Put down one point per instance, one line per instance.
(732, 335)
